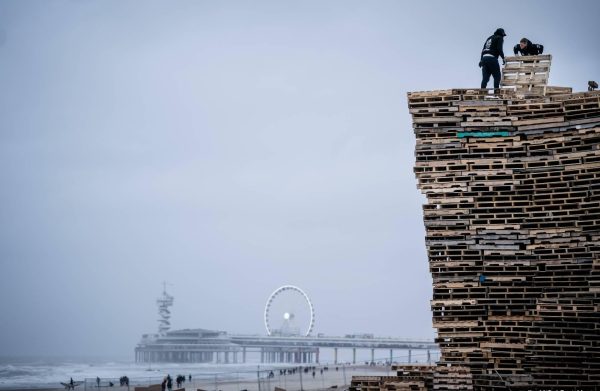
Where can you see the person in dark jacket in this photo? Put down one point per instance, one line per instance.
(492, 48)
(526, 48)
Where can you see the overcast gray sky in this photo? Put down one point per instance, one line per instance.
(230, 147)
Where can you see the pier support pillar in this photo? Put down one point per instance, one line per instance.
(335, 355)
(353, 355)
(317, 355)
(372, 355)
(262, 356)
(391, 356)
(244, 354)
(409, 356)
(428, 357)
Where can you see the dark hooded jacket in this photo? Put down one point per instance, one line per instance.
(493, 45)
(532, 49)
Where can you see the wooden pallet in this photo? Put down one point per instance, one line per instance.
(526, 74)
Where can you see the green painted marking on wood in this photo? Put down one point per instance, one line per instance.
(483, 134)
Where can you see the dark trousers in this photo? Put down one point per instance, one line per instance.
(490, 66)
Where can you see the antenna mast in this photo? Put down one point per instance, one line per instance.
(164, 302)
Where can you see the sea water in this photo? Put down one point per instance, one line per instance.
(50, 372)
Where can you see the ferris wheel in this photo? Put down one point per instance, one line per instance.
(289, 312)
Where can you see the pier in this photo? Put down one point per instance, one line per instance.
(207, 346)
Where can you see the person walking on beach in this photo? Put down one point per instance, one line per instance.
(169, 382)
(492, 48)
(97, 381)
(163, 385)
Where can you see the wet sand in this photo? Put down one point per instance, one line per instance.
(330, 379)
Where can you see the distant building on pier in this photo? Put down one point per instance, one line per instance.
(189, 345)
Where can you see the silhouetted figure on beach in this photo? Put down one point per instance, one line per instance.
(180, 380)
(169, 383)
(163, 385)
(97, 381)
(190, 378)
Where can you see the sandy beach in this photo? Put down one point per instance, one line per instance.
(328, 379)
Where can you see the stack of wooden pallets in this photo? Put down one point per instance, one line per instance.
(512, 180)
(408, 378)
(527, 74)
(417, 378)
